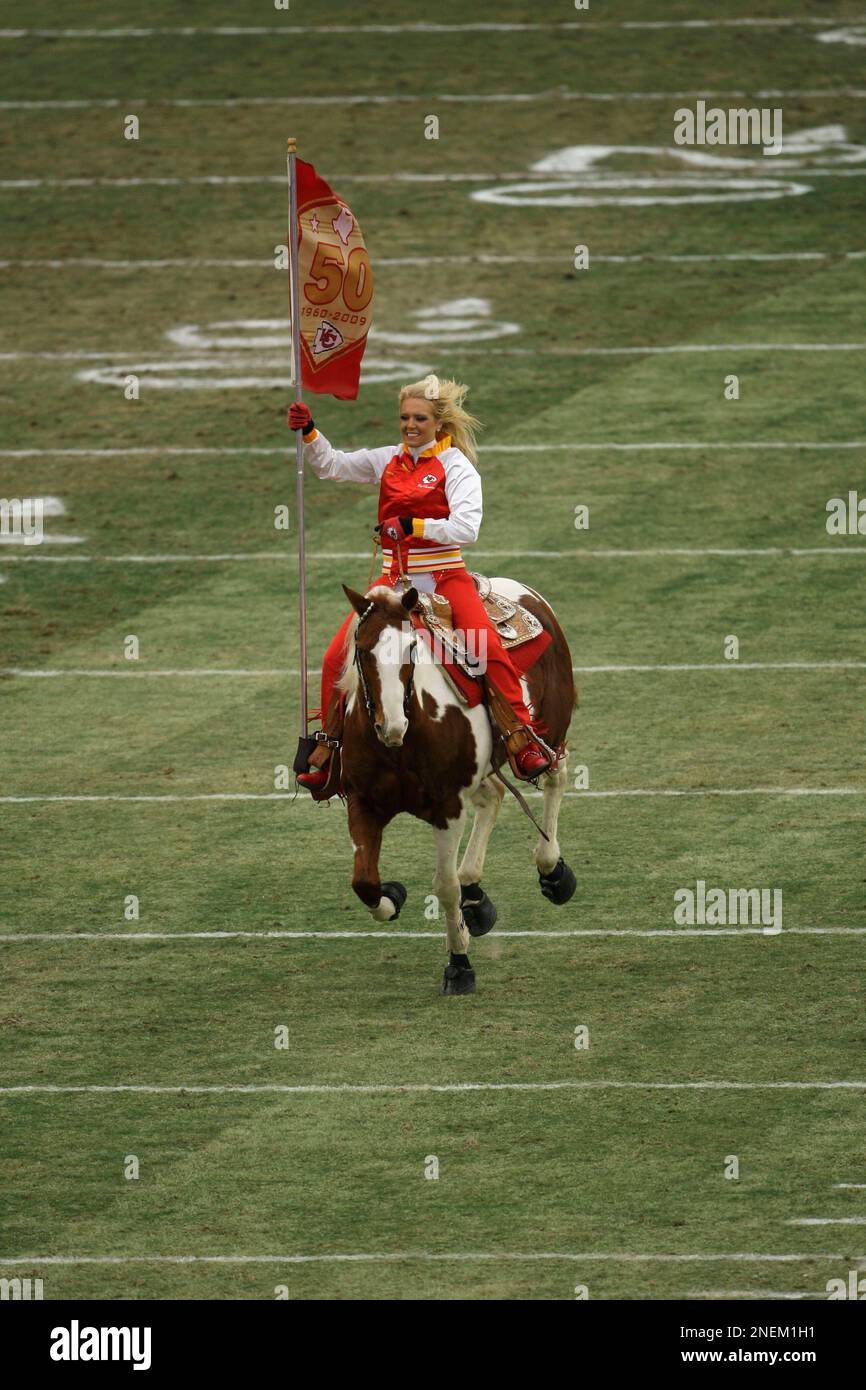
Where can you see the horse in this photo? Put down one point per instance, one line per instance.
(410, 745)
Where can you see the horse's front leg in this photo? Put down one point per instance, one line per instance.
(459, 975)
(383, 899)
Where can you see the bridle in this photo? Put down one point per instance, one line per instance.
(410, 683)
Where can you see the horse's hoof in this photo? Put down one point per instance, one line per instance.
(397, 893)
(559, 884)
(458, 979)
(479, 914)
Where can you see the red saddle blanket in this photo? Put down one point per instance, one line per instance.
(523, 658)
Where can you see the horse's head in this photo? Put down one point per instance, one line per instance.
(385, 645)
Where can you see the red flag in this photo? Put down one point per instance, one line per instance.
(335, 289)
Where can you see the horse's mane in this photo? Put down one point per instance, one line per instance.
(348, 680)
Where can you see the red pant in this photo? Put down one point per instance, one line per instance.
(470, 615)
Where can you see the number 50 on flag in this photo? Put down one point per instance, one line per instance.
(335, 282)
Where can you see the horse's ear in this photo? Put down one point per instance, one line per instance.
(410, 600)
(358, 601)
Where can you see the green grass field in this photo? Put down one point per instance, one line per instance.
(155, 778)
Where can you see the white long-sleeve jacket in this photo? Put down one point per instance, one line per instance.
(462, 482)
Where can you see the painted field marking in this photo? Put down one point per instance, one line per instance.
(749, 1294)
(851, 34)
(438, 1088)
(433, 1257)
(216, 363)
(72, 355)
(515, 184)
(221, 371)
(250, 263)
(409, 935)
(571, 796)
(827, 1221)
(722, 666)
(653, 351)
(462, 324)
(282, 451)
(282, 557)
(250, 360)
(194, 673)
(424, 27)
(410, 98)
(641, 190)
(859, 1186)
(581, 176)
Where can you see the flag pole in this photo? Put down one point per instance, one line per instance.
(294, 301)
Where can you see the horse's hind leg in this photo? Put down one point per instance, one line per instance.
(487, 800)
(556, 879)
(478, 910)
(459, 975)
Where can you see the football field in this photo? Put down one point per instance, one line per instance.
(220, 1078)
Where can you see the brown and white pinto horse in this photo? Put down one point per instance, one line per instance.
(410, 745)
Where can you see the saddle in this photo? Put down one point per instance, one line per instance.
(516, 627)
(514, 624)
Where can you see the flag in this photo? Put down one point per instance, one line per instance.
(335, 288)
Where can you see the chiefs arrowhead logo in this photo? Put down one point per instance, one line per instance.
(343, 224)
(429, 479)
(327, 337)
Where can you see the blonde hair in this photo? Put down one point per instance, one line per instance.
(446, 401)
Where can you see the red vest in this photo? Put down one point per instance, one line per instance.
(417, 490)
(414, 489)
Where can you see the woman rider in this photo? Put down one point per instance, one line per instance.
(429, 506)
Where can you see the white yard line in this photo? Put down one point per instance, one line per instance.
(577, 553)
(651, 351)
(195, 673)
(726, 791)
(434, 1257)
(827, 1221)
(726, 666)
(758, 1294)
(602, 446)
(410, 935)
(858, 1186)
(411, 177)
(439, 1088)
(270, 31)
(347, 99)
(250, 263)
(305, 797)
(643, 350)
(22, 672)
(71, 355)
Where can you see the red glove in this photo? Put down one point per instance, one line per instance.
(394, 528)
(300, 417)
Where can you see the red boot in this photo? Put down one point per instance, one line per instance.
(531, 762)
(315, 779)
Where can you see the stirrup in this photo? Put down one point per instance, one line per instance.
(321, 737)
